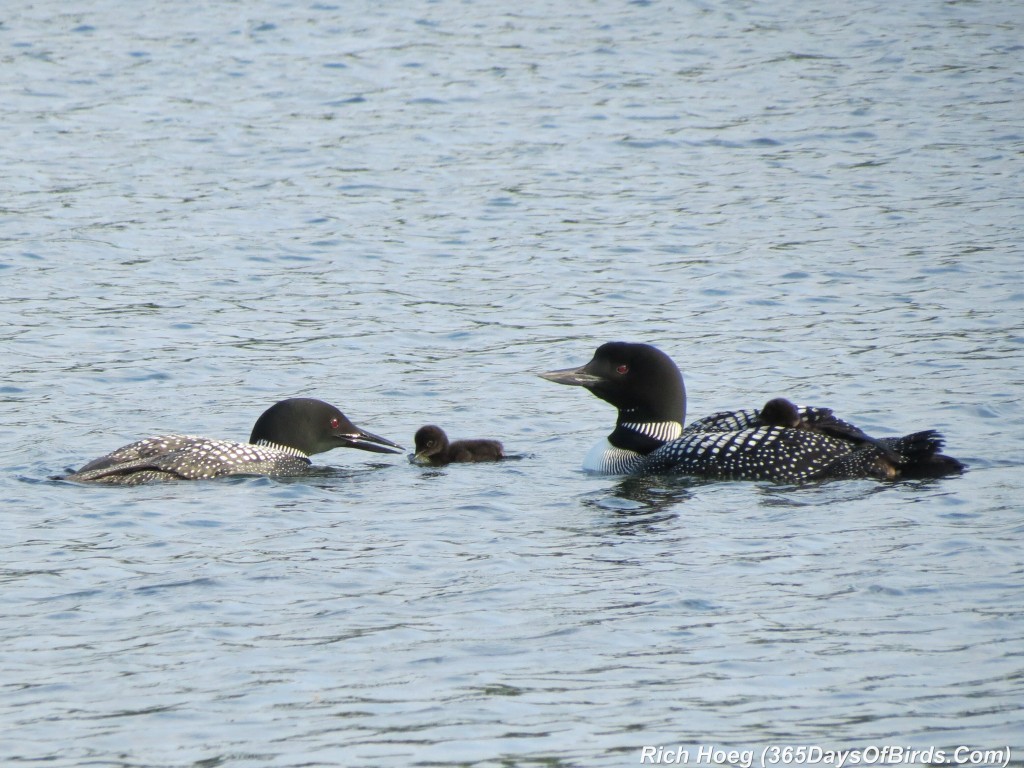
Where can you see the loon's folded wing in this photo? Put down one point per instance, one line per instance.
(139, 450)
(760, 453)
(189, 458)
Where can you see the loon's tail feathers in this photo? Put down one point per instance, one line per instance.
(916, 456)
(921, 456)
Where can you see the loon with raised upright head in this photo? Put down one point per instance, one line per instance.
(282, 441)
(781, 442)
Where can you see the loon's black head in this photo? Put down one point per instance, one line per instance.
(430, 441)
(313, 426)
(638, 379)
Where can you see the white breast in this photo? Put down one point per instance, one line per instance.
(609, 460)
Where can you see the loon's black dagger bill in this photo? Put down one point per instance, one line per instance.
(367, 441)
(574, 377)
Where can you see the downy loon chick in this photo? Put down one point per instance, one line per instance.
(780, 412)
(282, 441)
(433, 448)
(780, 442)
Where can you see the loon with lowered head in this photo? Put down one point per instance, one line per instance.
(433, 448)
(781, 441)
(282, 440)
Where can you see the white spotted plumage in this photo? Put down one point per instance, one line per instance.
(758, 453)
(190, 457)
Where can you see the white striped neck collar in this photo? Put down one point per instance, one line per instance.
(644, 436)
(282, 448)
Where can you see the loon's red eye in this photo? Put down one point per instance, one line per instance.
(622, 368)
(334, 422)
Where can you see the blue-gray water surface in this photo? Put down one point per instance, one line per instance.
(409, 210)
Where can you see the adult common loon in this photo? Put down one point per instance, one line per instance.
(780, 442)
(433, 448)
(282, 441)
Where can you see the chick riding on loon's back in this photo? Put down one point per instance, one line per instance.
(780, 442)
(282, 441)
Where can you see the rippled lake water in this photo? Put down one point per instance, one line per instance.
(411, 209)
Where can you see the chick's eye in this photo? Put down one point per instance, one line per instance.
(335, 423)
(622, 368)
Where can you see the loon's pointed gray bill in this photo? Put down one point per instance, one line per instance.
(574, 377)
(366, 441)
